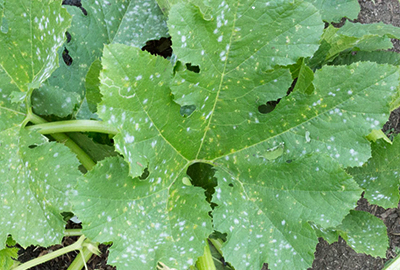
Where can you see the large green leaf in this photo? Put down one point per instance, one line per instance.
(264, 208)
(334, 11)
(380, 175)
(37, 178)
(150, 220)
(28, 47)
(276, 172)
(130, 22)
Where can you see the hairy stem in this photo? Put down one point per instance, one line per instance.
(74, 126)
(83, 157)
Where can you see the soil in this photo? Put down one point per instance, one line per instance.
(336, 256)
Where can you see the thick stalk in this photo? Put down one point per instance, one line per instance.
(84, 158)
(74, 126)
(81, 259)
(206, 261)
(84, 256)
(50, 256)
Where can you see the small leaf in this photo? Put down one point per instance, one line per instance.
(8, 255)
(364, 37)
(334, 11)
(380, 176)
(377, 134)
(365, 233)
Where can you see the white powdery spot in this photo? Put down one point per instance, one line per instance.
(129, 139)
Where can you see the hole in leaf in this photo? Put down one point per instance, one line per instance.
(187, 110)
(76, 3)
(32, 146)
(67, 215)
(160, 46)
(66, 57)
(202, 175)
(68, 37)
(268, 107)
(144, 175)
(83, 10)
(195, 69)
(72, 2)
(289, 161)
(231, 185)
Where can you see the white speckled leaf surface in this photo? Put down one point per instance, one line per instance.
(36, 175)
(35, 30)
(36, 179)
(276, 172)
(151, 220)
(130, 22)
(365, 233)
(361, 230)
(380, 176)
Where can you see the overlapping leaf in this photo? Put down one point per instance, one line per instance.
(36, 179)
(380, 176)
(366, 37)
(334, 11)
(9, 254)
(148, 220)
(288, 159)
(364, 232)
(35, 31)
(130, 22)
(34, 185)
